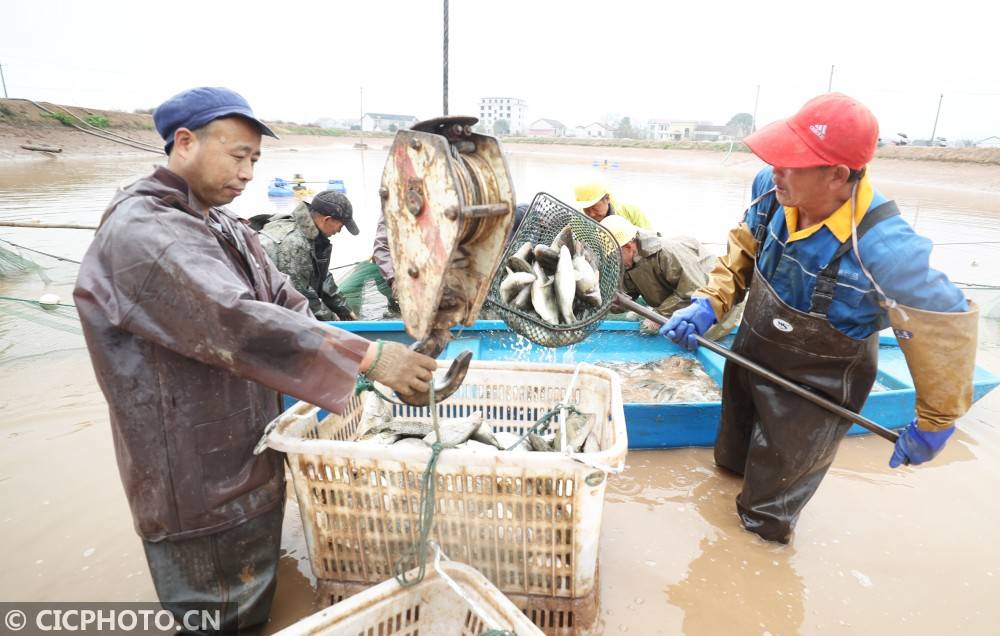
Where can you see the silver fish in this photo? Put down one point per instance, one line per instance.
(542, 297)
(578, 427)
(547, 257)
(384, 438)
(565, 237)
(586, 280)
(508, 439)
(415, 442)
(566, 285)
(518, 261)
(523, 298)
(408, 428)
(377, 413)
(593, 298)
(513, 284)
(456, 431)
(484, 435)
(538, 443)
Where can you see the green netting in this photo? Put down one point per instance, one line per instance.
(60, 317)
(12, 264)
(546, 217)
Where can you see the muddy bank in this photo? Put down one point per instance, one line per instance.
(909, 153)
(24, 123)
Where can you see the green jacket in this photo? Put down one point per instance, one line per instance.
(630, 212)
(294, 244)
(666, 271)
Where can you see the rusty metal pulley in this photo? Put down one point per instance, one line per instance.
(448, 202)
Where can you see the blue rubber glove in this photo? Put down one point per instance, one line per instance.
(918, 446)
(684, 324)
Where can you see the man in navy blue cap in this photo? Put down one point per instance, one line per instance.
(193, 334)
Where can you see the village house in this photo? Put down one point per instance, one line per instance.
(546, 128)
(386, 123)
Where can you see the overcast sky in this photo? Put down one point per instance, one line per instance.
(573, 61)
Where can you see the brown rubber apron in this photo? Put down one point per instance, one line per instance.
(783, 444)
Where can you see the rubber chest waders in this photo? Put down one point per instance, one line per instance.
(782, 444)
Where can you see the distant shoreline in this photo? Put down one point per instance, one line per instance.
(21, 123)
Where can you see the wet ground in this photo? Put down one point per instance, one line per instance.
(909, 550)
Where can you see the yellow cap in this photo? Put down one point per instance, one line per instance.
(620, 228)
(587, 194)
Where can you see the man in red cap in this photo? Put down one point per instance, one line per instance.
(832, 264)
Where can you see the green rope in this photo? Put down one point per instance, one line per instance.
(542, 423)
(498, 632)
(364, 383)
(416, 555)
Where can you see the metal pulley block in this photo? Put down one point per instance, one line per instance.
(448, 203)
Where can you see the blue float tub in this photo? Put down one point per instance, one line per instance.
(673, 424)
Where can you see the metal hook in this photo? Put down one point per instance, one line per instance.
(444, 387)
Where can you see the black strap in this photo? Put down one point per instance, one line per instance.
(826, 281)
(760, 232)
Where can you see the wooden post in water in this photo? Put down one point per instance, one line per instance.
(936, 115)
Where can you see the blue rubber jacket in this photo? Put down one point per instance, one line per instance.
(897, 257)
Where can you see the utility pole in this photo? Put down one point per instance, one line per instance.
(3, 81)
(936, 115)
(445, 85)
(361, 108)
(829, 85)
(753, 125)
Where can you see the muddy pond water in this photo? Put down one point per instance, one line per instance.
(910, 550)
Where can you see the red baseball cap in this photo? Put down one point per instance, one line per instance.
(829, 130)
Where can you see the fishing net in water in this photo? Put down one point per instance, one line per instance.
(544, 220)
(13, 264)
(60, 317)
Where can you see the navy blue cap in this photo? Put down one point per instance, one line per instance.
(196, 107)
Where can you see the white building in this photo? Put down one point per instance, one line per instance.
(597, 129)
(510, 109)
(547, 128)
(672, 129)
(386, 123)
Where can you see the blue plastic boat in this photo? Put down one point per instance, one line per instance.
(673, 424)
(279, 187)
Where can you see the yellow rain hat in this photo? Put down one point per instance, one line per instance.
(620, 228)
(587, 194)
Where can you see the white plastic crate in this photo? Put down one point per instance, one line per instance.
(530, 522)
(451, 599)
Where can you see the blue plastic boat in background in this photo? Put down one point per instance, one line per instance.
(671, 424)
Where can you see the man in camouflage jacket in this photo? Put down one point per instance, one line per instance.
(300, 247)
(664, 271)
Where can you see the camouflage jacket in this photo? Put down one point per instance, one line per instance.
(299, 250)
(667, 271)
